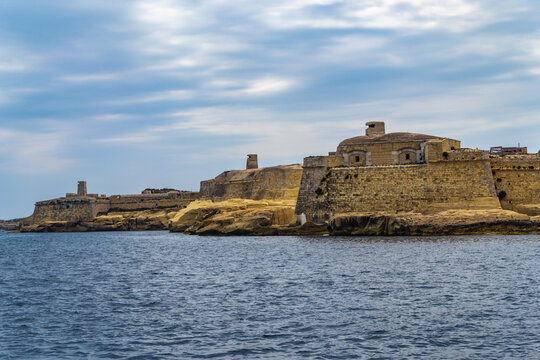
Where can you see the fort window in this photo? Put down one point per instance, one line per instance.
(357, 158)
(408, 156)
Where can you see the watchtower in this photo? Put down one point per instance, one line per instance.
(375, 128)
(252, 161)
(81, 188)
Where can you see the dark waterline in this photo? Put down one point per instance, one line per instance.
(145, 295)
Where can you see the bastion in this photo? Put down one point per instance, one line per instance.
(409, 172)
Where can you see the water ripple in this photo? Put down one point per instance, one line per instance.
(156, 295)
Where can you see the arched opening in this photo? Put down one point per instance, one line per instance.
(407, 156)
(357, 159)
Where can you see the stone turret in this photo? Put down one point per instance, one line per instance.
(375, 128)
(252, 162)
(81, 188)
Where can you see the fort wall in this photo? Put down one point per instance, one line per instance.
(68, 209)
(171, 200)
(425, 188)
(271, 183)
(315, 169)
(517, 180)
(86, 208)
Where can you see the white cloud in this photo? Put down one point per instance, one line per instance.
(268, 85)
(109, 117)
(258, 87)
(11, 62)
(139, 137)
(8, 95)
(169, 95)
(418, 15)
(164, 13)
(16, 60)
(86, 78)
(264, 86)
(455, 111)
(32, 153)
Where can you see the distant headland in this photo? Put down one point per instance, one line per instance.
(377, 184)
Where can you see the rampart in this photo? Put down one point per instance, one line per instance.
(461, 180)
(73, 209)
(517, 180)
(271, 183)
(170, 200)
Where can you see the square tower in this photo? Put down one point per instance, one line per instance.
(375, 128)
(81, 188)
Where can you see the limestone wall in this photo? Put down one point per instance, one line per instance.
(315, 169)
(517, 177)
(425, 188)
(86, 208)
(272, 183)
(171, 200)
(63, 210)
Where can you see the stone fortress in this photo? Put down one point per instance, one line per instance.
(390, 173)
(404, 172)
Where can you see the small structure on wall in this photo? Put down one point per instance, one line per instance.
(252, 162)
(81, 188)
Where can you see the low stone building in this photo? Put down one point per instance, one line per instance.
(379, 148)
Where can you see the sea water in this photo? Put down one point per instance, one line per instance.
(157, 295)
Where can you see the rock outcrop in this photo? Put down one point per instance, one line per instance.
(114, 221)
(234, 217)
(452, 222)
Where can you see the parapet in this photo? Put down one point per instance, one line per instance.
(500, 150)
(323, 161)
(149, 191)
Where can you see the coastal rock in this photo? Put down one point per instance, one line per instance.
(451, 222)
(115, 221)
(234, 217)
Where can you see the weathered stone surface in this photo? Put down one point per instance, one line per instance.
(271, 183)
(426, 188)
(452, 222)
(529, 209)
(234, 217)
(122, 221)
(309, 228)
(10, 225)
(517, 180)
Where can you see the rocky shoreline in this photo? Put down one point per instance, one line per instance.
(242, 217)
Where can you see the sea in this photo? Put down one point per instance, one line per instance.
(161, 295)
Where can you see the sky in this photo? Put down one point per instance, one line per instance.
(166, 93)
